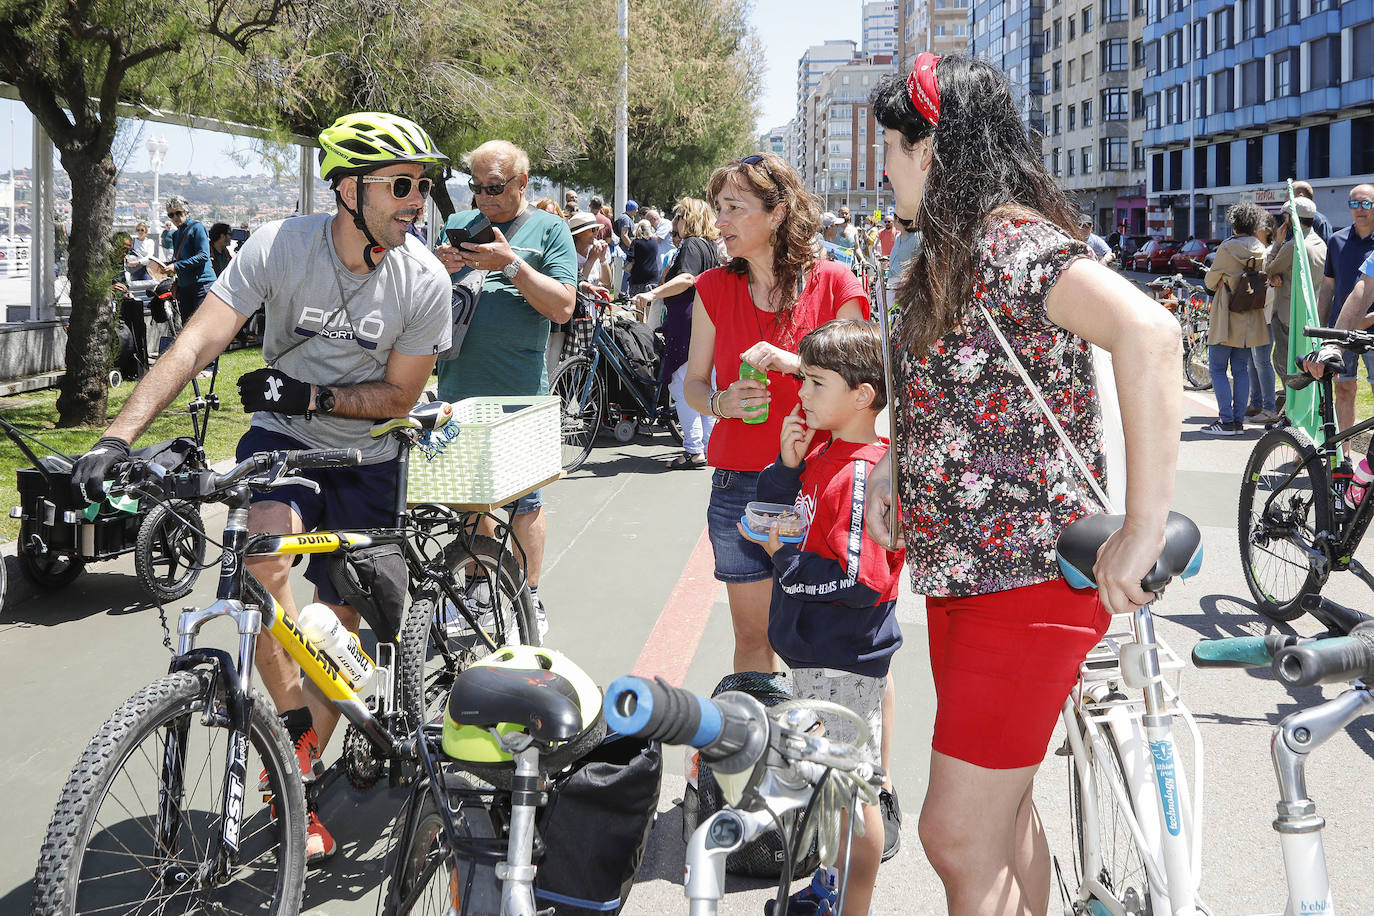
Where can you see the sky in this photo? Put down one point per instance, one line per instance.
(785, 27)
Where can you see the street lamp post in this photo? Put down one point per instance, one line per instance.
(157, 153)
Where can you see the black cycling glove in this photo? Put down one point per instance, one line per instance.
(88, 474)
(272, 390)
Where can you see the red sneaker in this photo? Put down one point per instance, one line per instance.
(319, 845)
(308, 750)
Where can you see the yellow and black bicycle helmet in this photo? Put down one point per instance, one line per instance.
(366, 140)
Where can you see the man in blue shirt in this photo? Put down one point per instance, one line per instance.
(531, 281)
(191, 258)
(1346, 252)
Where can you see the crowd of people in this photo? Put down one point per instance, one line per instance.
(778, 375)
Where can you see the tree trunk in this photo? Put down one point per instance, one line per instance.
(84, 390)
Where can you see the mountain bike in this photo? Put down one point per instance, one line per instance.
(466, 849)
(600, 385)
(1297, 662)
(1295, 525)
(156, 813)
(1136, 827)
(1192, 306)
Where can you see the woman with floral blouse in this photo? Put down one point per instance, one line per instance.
(983, 484)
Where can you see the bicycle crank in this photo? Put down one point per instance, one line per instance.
(361, 764)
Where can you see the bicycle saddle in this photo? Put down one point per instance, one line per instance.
(1077, 546)
(540, 702)
(430, 415)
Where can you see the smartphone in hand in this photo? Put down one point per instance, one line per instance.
(480, 232)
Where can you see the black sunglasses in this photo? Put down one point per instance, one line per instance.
(401, 185)
(491, 190)
(757, 159)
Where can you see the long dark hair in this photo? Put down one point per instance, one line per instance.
(985, 166)
(777, 184)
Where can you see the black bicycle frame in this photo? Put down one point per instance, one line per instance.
(603, 343)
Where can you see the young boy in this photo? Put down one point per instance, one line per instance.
(833, 616)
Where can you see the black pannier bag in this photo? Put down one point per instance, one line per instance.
(596, 826)
(764, 857)
(374, 581)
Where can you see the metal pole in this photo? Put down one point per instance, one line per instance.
(307, 189)
(622, 110)
(42, 250)
(14, 233)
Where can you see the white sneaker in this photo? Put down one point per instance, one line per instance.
(1222, 429)
(479, 600)
(541, 620)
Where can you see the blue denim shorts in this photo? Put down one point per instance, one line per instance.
(350, 498)
(738, 559)
(1352, 366)
(530, 502)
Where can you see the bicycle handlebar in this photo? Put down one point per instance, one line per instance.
(731, 730)
(323, 457)
(1240, 651)
(1325, 661)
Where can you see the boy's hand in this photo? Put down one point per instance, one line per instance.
(772, 545)
(796, 438)
(879, 517)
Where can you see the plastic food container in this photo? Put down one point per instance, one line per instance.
(760, 516)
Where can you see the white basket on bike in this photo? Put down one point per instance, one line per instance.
(503, 447)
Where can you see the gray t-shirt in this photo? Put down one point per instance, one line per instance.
(292, 269)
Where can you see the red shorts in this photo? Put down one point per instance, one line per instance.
(1003, 665)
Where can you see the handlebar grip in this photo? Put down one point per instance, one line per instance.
(731, 730)
(1236, 652)
(1340, 658)
(1326, 333)
(324, 457)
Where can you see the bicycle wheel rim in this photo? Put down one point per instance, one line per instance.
(580, 393)
(1123, 870)
(1281, 509)
(120, 869)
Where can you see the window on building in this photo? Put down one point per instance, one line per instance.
(1321, 6)
(1073, 27)
(1139, 8)
(1151, 58)
(1324, 62)
(1058, 30)
(1288, 155)
(1284, 12)
(1362, 65)
(1173, 105)
(1055, 155)
(1152, 111)
(1251, 19)
(1200, 39)
(1113, 154)
(1085, 65)
(1073, 164)
(1200, 167)
(1137, 155)
(1087, 107)
(1157, 172)
(1138, 53)
(1252, 82)
(841, 112)
(1056, 76)
(1223, 23)
(1254, 160)
(1086, 18)
(1073, 117)
(1173, 49)
(1319, 151)
(1176, 170)
(1114, 51)
(1362, 145)
(1054, 119)
(1223, 163)
(1114, 104)
(1085, 156)
(1283, 75)
(1047, 44)
(1073, 69)
(1223, 96)
(1138, 103)
(1114, 10)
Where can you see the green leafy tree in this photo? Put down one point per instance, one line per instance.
(73, 63)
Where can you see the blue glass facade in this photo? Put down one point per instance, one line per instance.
(1242, 95)
(1007, 33)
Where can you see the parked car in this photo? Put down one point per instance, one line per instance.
(1154, 255)
(1130, 244)
(1194, 252)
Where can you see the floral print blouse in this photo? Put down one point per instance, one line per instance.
(985, 483)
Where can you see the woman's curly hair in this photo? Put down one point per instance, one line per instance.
(985, 167)
(777, 184)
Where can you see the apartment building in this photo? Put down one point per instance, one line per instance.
(939, 26)
(845, 140)
(879, 28)
(815, 63)
(1093, 106)
(1007, 33)
(780, 140)
(1242, 95)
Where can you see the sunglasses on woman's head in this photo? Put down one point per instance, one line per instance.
(491, 190)
(1361, 204)
(401, 185)
(757, 159)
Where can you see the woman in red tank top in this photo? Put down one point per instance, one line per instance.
(756, 309)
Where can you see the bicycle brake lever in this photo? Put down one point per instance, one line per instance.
(287, 481)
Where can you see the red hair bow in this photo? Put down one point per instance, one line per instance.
(922, 88)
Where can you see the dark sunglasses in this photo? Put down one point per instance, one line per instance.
(1361, 204)
(491, 190)
(176, 212)
(757, 159)
(401, 185)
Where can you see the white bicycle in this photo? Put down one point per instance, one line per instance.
(1305, 663)
(1135, 824)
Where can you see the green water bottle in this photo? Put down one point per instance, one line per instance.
(760, 413)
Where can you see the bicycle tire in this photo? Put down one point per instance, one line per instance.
(582, 395)
(171, 536)
(77, 835)
(433, 651)
(49, 570)
(1278, 520)
(1123, 867)
(1195, 362)
(426, 874)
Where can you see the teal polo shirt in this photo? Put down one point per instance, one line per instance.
(503, 353)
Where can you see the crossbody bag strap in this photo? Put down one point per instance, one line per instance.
(1045, 409)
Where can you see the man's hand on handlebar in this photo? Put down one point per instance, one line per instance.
(1329, 355)
(91, 469)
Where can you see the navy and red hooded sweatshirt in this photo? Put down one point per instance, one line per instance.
(835, 594)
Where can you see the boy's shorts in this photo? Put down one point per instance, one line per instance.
(857, 693)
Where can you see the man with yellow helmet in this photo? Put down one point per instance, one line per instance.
(356, 309)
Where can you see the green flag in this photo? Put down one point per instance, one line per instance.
(1301, 406)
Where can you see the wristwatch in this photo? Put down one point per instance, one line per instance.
(324, 400)
(511, 269)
